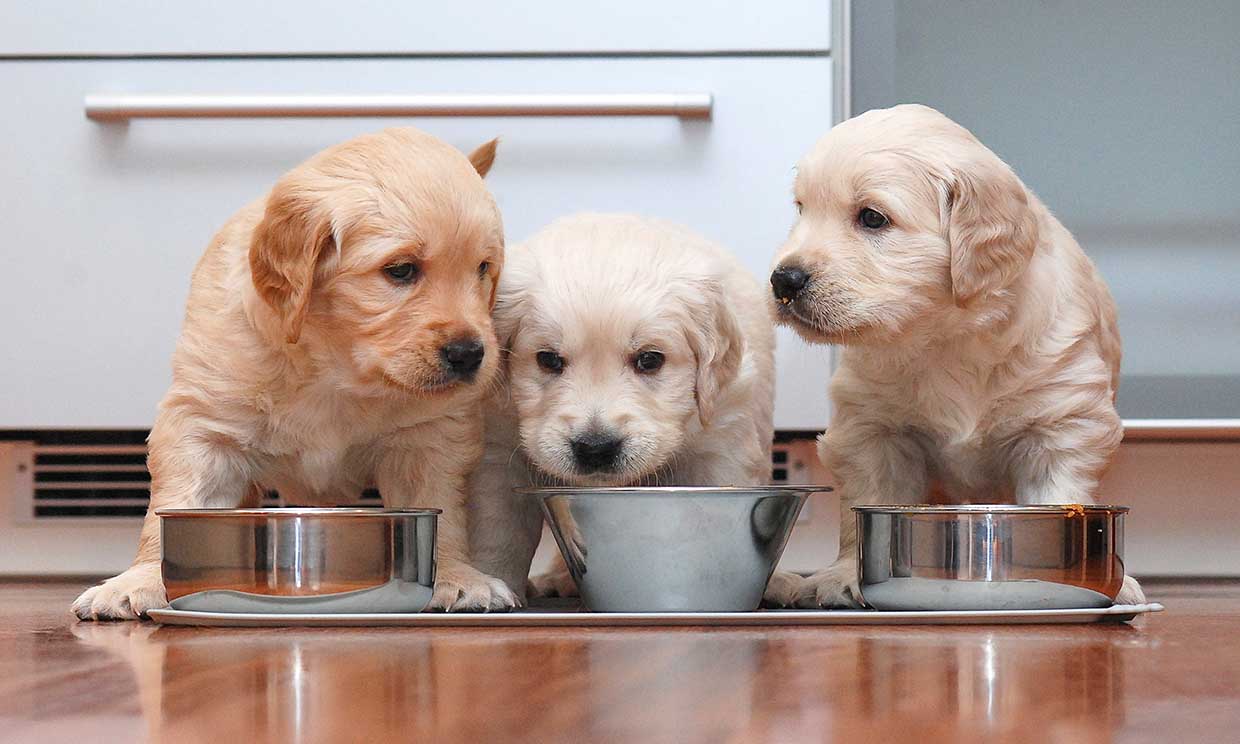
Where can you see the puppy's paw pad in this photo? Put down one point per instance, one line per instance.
(1130, 593)
(783, 589)
(128, 596)
(473, 592)
(836, 588)
(81, 606)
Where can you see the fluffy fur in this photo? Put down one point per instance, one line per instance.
(980, 355)
(598, 290)
(305, 367)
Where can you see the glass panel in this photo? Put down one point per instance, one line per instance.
(1125, 118)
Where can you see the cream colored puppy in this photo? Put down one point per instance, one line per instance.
(980, 350)
(637, 353)
(337, 335)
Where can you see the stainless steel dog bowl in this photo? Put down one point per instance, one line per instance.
(299, 560)
(990, 557)
(672, 549)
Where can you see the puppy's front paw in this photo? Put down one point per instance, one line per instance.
(465, 589)
(125, 597)
(783, 589)
(832, 588)
(1130, 593)
(554, 583)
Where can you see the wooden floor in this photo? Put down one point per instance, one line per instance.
(1173, 677)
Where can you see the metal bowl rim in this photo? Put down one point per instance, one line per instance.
(665, 490)
(998, 509)
(329, 512)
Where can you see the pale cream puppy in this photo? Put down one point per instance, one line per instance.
(980, 352)
(637, 353)
(337, 336)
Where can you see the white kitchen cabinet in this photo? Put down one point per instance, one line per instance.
(69, 28)
(104, 221)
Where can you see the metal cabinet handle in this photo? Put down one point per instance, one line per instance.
(121, 107)
(1181, 430)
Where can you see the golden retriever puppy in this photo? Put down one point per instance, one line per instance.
(337, 335)
(980, 354)
(637, 352)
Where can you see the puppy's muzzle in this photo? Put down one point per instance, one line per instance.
(787, 283)
(462, 358)
(597, 451)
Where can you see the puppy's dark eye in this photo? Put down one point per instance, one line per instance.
(484, 268)
(872, 219)
(550, 361)
(648, 361)
(800, 207)
(401, 273)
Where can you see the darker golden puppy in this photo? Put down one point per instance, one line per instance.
(337, 336)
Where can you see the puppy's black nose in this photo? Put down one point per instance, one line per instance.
(787, 282)
(462, 357)
(597, 451)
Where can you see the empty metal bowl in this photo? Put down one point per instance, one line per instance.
(990, 557)
(672, 549)
(299, 560)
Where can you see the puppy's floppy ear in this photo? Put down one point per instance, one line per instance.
(509, 305)
(483, 157)
(715, 338)
(494, 294)
(285, 249)
(991, 229)
(499, 273)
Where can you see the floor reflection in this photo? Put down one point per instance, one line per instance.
(939, 684)
(980, 681)
(370, 684)
(278, 685)
(705, 685)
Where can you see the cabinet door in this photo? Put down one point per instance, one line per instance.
(104, 221)
(68, 28)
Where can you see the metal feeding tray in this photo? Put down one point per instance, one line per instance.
(567, 615)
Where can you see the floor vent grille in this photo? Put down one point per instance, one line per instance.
(88, 475)
(89, 480)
